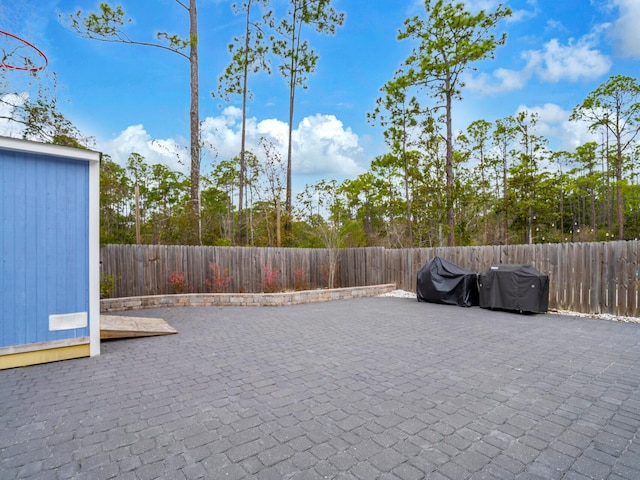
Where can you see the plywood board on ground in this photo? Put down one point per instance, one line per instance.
(114, 326)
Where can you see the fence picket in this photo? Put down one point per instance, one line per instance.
(589, 277)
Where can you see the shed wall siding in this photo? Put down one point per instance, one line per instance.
(44, 270)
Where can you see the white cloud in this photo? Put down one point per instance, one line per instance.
(490, 6)
(571, 62)
(273, 129)
(625, 29)
(553, 63)
(322, 146)
(478, 5)
(553, 24)
(136, 139)
(222, 134)
(553, 123)
(502, 80)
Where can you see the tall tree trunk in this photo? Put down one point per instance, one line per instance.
(594, 230)
(245, 74)
(484, 197)
(451, 237)
(292, 94)
(278, 216)
(195, 121)
(406, 187)
(505, 199)
(408, 201)
(529, 232)
(561, 205)
(608, 186)
(619, 192)
(295, 42)
(287, 220)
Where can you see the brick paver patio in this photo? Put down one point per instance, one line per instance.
(370, 388)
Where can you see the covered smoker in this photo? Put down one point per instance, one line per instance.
(441, 281)
(514, 287)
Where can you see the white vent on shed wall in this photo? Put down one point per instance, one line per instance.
(68, 321)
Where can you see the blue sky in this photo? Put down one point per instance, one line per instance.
(137, 99)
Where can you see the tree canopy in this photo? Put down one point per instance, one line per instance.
(495, 181)
(448, 41)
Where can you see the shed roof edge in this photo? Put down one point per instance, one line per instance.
(29, 146)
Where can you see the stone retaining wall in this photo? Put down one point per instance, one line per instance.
(111, 305)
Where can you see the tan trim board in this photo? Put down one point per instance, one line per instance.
(24, 359)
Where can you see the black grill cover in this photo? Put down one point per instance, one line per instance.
(441, 281)
(514, 287)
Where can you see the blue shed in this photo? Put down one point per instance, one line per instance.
(49, 253)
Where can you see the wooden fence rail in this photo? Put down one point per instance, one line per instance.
(583, 277)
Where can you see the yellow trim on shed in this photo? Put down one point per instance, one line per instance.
(24, 359)
(33, 354)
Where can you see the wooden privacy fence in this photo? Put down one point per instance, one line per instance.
(583, 277)
(146, 269)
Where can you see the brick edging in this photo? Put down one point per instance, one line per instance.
(109, 305)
